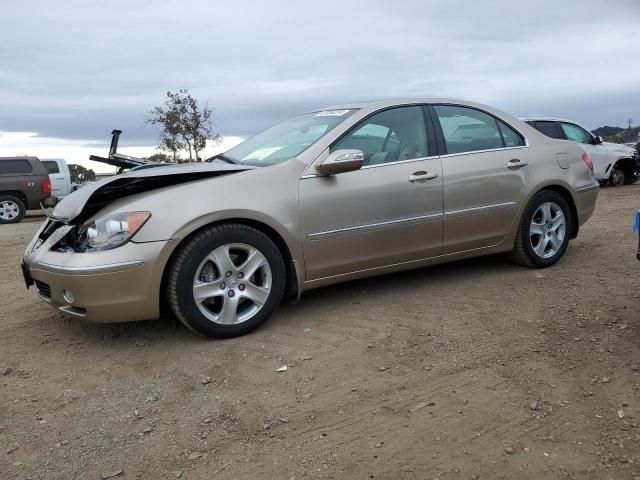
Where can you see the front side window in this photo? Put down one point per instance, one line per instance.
(575, 133)
(392, 135)
(467, 129)
(287, 139)
(51, 166)
(15, 166)
(550, 129)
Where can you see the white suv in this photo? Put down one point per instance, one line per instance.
(613, 163)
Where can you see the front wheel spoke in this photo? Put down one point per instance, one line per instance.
(254, 261)
(229, 310)
(555, 241)
(222, 260)
(546, 212)
(258, 295)
(536, 229)
(542, 246)
(557, 222)
(205, 290)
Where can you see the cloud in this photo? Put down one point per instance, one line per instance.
(77, 69)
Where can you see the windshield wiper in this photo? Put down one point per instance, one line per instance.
(224, 158)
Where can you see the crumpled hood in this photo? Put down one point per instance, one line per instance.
(82, 203)
(620, 149)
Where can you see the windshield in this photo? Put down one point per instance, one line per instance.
(285, 140)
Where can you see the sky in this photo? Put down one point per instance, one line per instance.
(71, 71)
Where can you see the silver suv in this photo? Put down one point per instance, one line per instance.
(613, 163)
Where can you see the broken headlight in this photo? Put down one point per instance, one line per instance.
(111, 231)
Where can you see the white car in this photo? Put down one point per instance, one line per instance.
(613, 163)
(59, 175)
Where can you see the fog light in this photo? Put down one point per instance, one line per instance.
(68, 296)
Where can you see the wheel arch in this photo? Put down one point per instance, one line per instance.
(626, 164)
(16, 193)
(293, 276)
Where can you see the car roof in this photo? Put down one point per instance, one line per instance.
(397, 101)
(20, 157)
(546, 118)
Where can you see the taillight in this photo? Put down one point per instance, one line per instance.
(587, 160)
(46, 186)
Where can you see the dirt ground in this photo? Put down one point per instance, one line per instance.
(478, 369)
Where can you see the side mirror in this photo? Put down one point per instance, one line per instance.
(598, 140)
(341, 161)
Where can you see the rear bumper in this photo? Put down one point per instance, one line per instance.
(586, 198)
(117, 285)
(33, 201)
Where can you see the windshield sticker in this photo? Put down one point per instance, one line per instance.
(332, 113)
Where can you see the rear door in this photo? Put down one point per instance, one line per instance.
(486, 172)
(59, 187)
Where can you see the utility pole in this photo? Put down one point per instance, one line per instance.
(629, 138)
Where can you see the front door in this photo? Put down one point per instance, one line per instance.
(486, 171)
(386, 213)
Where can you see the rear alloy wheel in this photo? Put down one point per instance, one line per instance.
(544, 231)
(12, 209)
(226, 281)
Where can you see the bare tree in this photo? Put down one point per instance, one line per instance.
(184, 124)
(167, 118)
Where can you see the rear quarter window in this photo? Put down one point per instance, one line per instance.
(51, 166)
(15, 166)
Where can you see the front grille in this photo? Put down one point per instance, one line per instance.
(43, 288)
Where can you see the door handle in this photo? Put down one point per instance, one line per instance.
(516, 163)
(421, 177)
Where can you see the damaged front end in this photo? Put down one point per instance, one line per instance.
(82, 260)
(74, 211)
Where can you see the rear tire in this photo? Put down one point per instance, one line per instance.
(226, 280)
(544, 231)
(12, 209)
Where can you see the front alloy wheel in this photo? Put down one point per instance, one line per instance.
(225, 280)
(232, 283)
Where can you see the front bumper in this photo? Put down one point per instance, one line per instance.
(116, 285)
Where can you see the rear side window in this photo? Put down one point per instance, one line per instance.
(468, 130)
(511, 137)
(51, 166)
(575, 133)
(15, 166)
(550, 129)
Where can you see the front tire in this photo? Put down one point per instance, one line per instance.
(618, 176)
(12, 209)
(544, 231)
(226, 280)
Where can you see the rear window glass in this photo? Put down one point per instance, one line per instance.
(15, 166)
(51, 166)
(550, 129)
